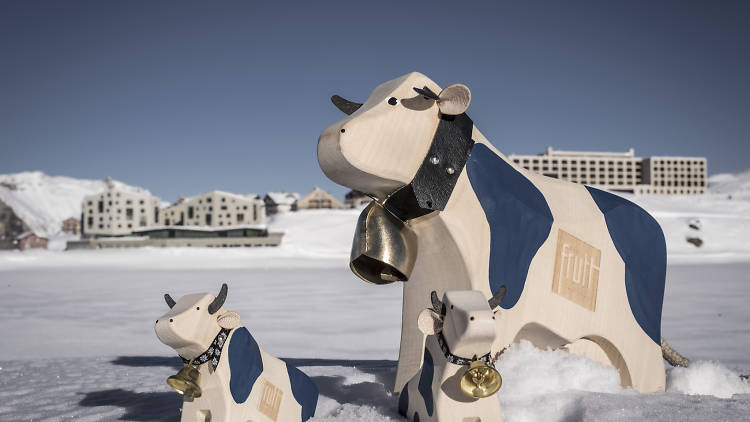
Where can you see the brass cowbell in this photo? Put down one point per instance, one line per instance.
(480, 380)
(186, 381)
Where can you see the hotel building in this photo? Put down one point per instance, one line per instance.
(620, 171)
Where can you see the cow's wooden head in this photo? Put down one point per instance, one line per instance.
(193, 322)
(380, 146)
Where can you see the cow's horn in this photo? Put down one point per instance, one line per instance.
(345, 105)
(427, 93)
(219, 301)
(495, 300)
(437, 305)
(169, 300)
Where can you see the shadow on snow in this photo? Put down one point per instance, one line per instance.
(165, 406)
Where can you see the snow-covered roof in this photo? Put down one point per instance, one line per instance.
(283, 198)
(242, 197)
(24, 235)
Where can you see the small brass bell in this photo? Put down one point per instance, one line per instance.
(481, 380)
(186, 381)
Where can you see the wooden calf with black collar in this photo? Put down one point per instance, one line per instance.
(239, 380)
(460, 330)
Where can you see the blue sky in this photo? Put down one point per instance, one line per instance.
(186, 97)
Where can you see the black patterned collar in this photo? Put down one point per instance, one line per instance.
(458, 360)
(213, 354)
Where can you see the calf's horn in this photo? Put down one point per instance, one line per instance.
(219, 301)
(384, 248)
(345, 105)
(169, 300)
(495, 300)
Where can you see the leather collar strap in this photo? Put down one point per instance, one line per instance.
(433, 184)
(458, 360)
(213, 354)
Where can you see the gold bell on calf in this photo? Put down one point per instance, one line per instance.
(186, 381)
(480, 380)
(384, 248)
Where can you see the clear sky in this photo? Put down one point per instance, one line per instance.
(186, 97)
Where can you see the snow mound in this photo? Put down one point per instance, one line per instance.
(707, 378)
(737, 184)
(528, 371)
(44, 202)
(325, 233)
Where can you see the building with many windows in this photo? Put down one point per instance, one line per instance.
(215, 209)
(620, 171)
(117, 212)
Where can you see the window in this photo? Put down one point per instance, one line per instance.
(223, 207)
(128, 213)
(90, 222)
(190, 212)
(240, 218)
(101, 206)
(208, 219)
(142, 221)
(156, 214)
(255, 213)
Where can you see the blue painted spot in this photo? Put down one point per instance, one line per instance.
(403, 401)
(518, 215)
(425, 381)
(639, 240)
(245, 364)
(304, 391)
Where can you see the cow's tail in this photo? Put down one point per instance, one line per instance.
(672, 356)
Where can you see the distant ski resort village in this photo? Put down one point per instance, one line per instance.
(118, 215)
(114, 215)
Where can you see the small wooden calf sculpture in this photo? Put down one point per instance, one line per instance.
(460, 330)
(240, 382)
(584, 269)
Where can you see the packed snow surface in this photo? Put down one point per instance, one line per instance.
(78, 340)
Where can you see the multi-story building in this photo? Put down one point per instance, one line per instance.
(673, 175)
(215, 209)
(620, 171)
(117, 212)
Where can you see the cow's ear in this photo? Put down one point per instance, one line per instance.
(429, 322)
(454, 99)
(229, 320)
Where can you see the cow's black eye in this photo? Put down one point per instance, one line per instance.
(197, 308)
(393, 101)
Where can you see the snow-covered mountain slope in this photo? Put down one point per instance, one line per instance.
(43, 202)
(737, 185)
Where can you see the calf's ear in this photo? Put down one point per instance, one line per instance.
(454, 99)
(229, 320)
(429, 322)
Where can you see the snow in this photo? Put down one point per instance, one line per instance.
(78, 340)
(283, 198)
(44, 202)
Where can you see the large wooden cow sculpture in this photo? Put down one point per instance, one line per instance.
(239, 381)
(584, 269)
